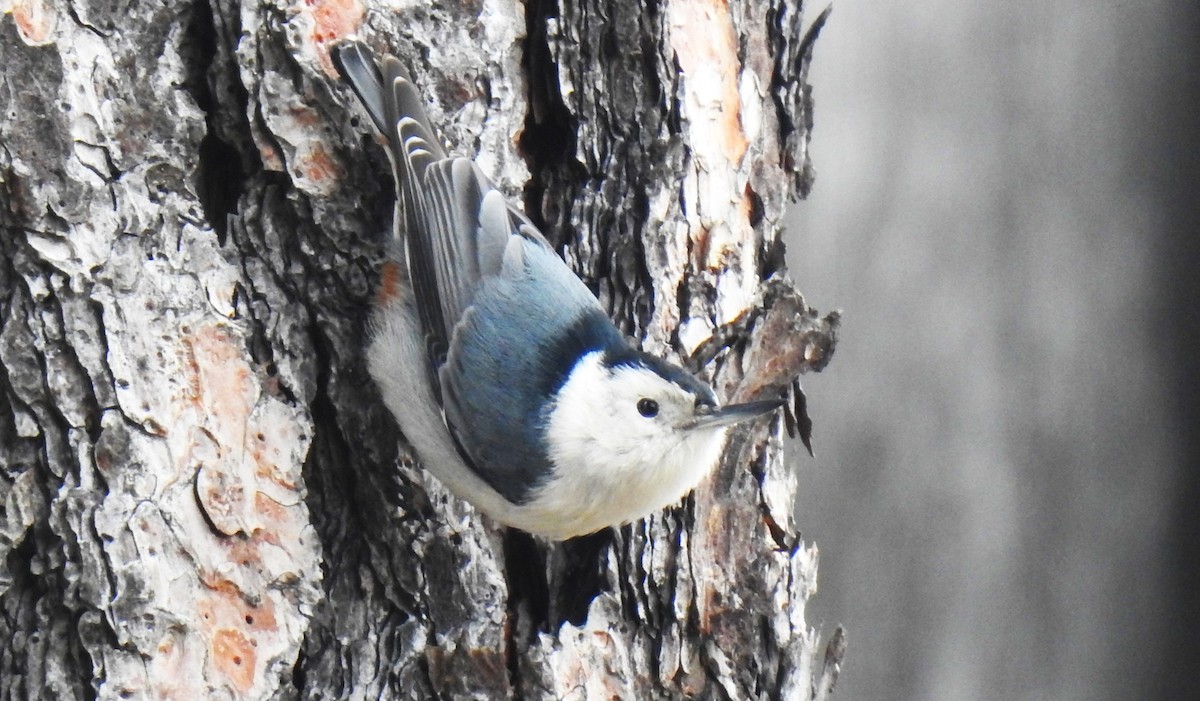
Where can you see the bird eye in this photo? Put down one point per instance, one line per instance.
(648, 408)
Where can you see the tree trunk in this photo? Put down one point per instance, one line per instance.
(201, 495)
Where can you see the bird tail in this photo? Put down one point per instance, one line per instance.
(356, 64)
(387, 92)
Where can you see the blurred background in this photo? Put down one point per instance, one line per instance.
(1005, 495)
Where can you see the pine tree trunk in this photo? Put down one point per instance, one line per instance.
(201, 495)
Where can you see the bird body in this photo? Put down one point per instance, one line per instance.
(499, 364)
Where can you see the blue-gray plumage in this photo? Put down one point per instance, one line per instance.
(509, 442)
(500, 365)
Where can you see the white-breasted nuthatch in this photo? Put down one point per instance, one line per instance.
(500, 366)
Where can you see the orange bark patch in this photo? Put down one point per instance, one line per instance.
(35, 21)
(235, 629)
(270, 157)
(315, 164)
(304, 117)
(703, 39)
(332, 20)
(274, 517)
(224, 391)
(269, 448)
(220, 380)
(234, 655)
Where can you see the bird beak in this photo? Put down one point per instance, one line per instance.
(712, 417)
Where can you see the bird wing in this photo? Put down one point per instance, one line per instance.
(485, 282)
(453, 221)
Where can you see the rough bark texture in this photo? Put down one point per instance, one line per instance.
(201, 495)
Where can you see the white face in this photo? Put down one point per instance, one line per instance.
(623, 446)
(640, 407)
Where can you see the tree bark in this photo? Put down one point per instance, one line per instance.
(201, 495)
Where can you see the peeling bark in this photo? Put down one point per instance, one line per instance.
(200, 492)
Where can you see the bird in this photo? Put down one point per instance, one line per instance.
(500, 366)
